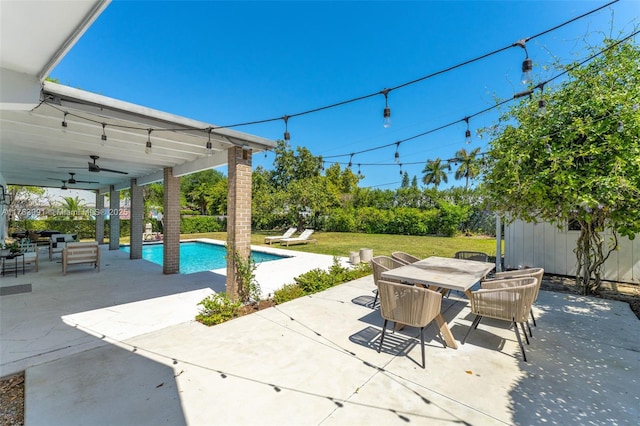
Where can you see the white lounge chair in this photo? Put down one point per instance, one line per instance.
(276, 238)
(302, 239)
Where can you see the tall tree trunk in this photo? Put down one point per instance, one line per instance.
(590, 253)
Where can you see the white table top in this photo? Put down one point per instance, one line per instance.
(455, 274)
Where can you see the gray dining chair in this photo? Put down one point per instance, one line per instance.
(408, 305)
(510, 302)
(405, 258)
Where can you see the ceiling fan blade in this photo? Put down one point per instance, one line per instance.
(85, 181)
(102, 169)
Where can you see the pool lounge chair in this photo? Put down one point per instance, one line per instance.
(276, 238)
(302, 239)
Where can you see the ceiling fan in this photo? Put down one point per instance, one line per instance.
(93, 167)
(72, 181)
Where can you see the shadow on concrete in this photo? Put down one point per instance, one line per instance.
(121, 387)
(577, 371)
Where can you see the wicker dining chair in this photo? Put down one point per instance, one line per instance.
(408, 305)
(510, 302)
(472, 255)
(537, 273)
(403, 257)
(381, 264)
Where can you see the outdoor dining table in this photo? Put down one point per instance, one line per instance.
(444, 273)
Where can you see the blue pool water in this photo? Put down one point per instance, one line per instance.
(197, 256)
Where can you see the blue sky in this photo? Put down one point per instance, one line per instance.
(234, 62)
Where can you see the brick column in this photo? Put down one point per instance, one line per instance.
(238, 212)
(114, 219)
(99, 217)
(136, 221)
(171, 218)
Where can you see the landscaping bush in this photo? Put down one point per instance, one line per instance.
(318, 280)
(287, 292)
(340, 220)
(201, 224)
(216, 309)
(450, 217)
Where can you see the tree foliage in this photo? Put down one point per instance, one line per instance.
(578, 162)
(435, 172)
(469, 165)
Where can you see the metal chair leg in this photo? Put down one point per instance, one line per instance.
(524, 332)
(524, 355)
(375, 300)
(533, 318)
(422, 345)
(384, 327)
(529, 328)
(474, 325)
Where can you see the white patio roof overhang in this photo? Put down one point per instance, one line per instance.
(37, 150)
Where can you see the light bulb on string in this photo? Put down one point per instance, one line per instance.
(542, 107)
(527, 64)
(359, 173)
(209, 146)
(350, 161)
(64, 120)
(397, 154)
(148, 147)
(103, 138)
(467, 133)
(287, 136)
(542, 103)
(386, 114)
(400, 169)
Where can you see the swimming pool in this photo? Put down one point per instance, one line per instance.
(197, 256)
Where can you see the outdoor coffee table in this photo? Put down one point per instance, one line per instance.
(445, 273)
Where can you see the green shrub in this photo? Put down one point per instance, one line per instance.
(201, 224)
(450, 217)
(287, 292)
(317, 280)
(217, 308)
(340, 220)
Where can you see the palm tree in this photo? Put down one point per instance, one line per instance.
(469, 167)
(72, 207)
(435, 172)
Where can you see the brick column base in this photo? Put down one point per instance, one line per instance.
(99, 217)
(135, 222)
(171, 218)
(114, 220)
(238, 213)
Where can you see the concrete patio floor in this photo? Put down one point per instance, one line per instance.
(121, 347)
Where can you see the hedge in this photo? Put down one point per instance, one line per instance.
(86, 229)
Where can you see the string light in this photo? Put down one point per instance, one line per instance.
(287, 137)
(359, 174)
(467, 133)
(542, 103)
(148, 148)
(64, 119)
(400, 169)
(527, 67)
(386, 114)
(527, 64)
(351, 161)
(103, 138)
(397, 154)
(209, 147)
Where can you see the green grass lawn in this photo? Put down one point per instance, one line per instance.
(341, 243)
